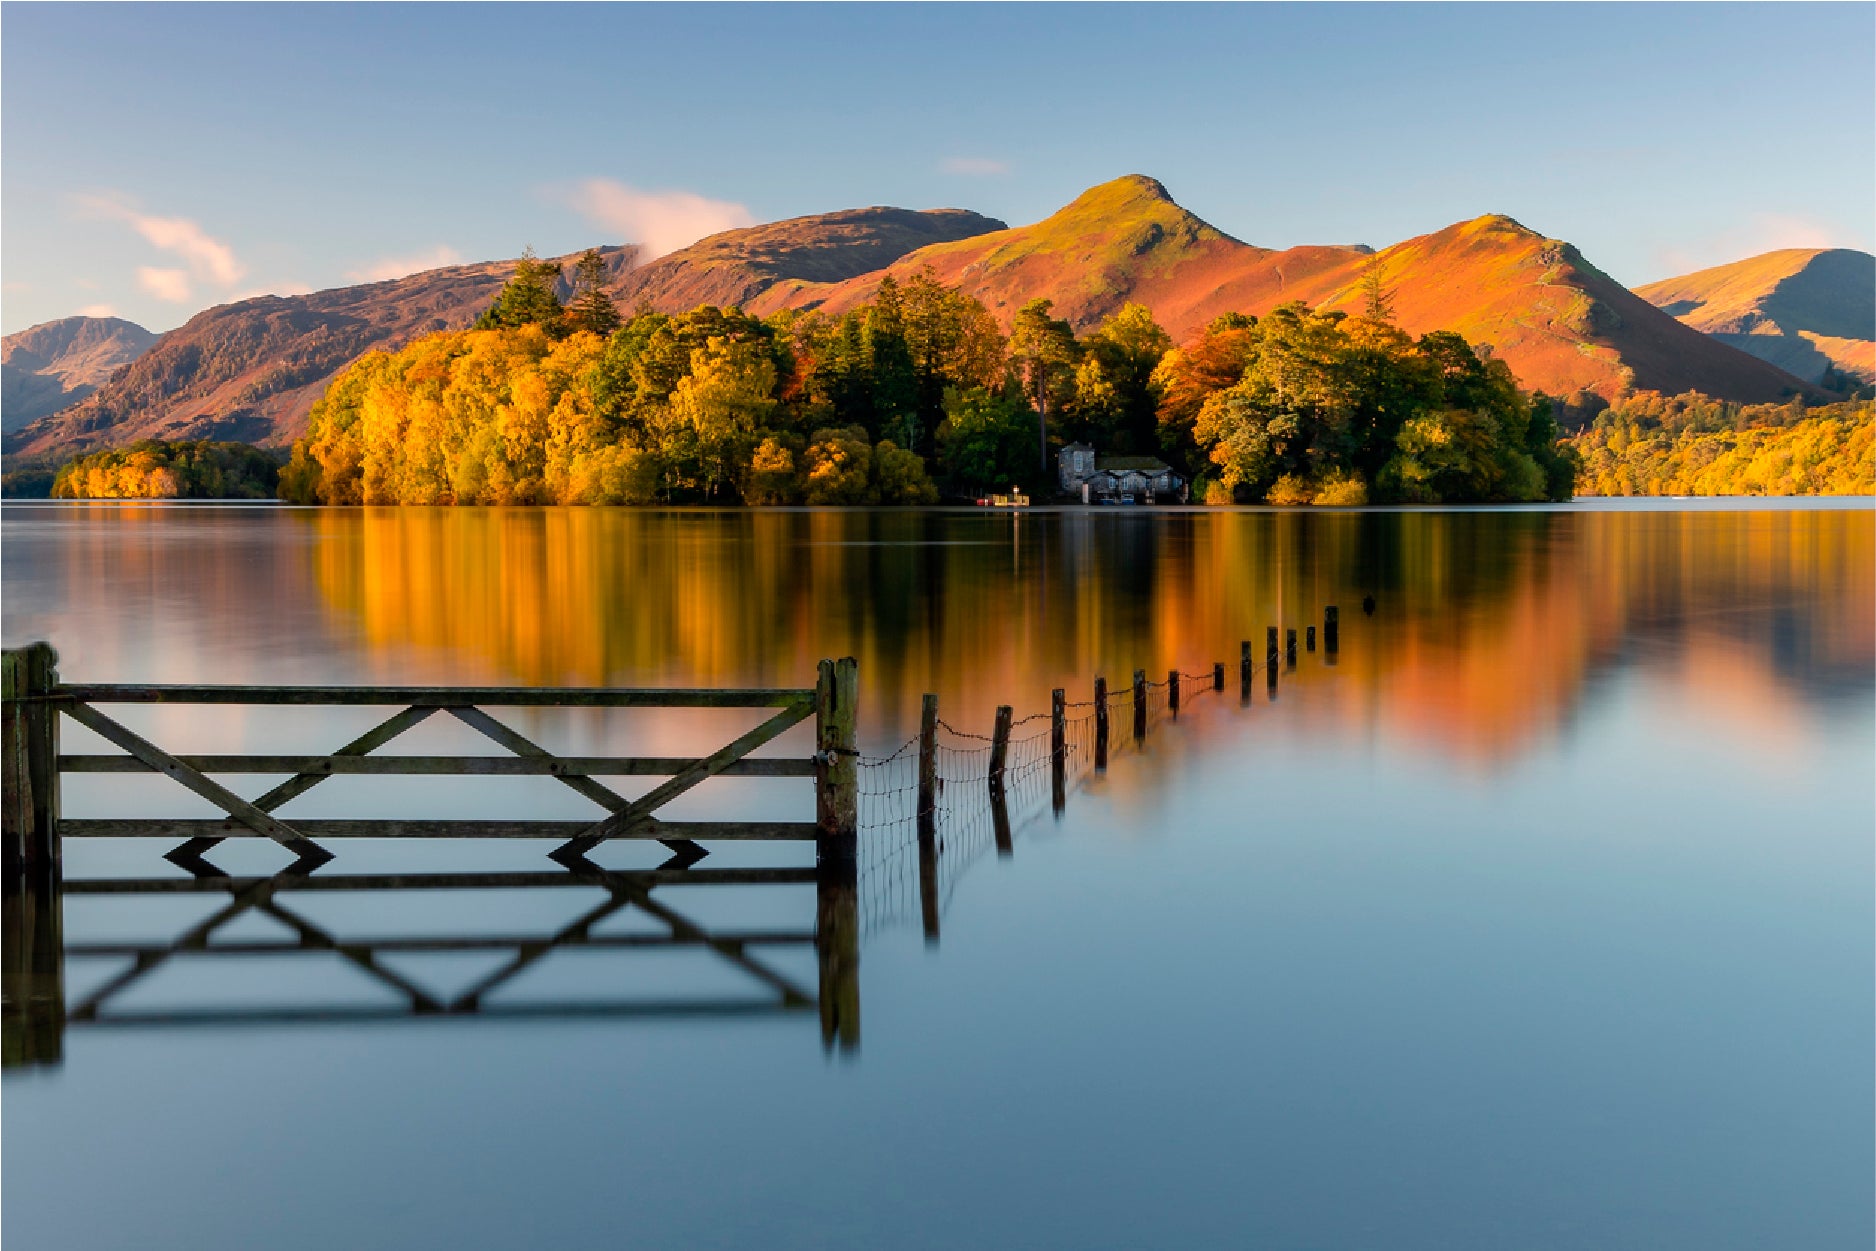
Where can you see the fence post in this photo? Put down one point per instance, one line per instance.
(1100, 723)
(1172, 691)
(1139, 705)
(1270, 647)
(999, 748)
(1244, 671)
(837, 771)
(1218, 676)
(928, 768)
(29, 741)
(837, 951)
(1309, 638)
(1289, 648)
(1331, 631)
(1058, 749)
(1000, 824)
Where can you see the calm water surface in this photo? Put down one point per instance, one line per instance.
(1541, 918)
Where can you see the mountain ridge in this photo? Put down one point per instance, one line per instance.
(252, 370)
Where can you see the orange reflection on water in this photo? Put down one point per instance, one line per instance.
(1489, 625)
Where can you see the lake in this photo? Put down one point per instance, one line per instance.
(1538, 915)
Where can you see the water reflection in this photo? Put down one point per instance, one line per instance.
(1490, 629)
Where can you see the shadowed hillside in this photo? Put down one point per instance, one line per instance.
(56, 364)
(1805, 310)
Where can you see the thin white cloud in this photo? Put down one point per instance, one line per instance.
(974, 166)
(658, 221)
(164, 284)
(390, 267)
(207, 258)
(98, 310)
(1766, 232)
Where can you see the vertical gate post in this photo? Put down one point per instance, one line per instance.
(1139, 705)
(1270, 647)
(1289, 648)
(1331, 632)
(1244, 672)
(1309, 638)
(837, 885)
(29, 741)
(836, 782)
(999, 748)
(1172, 691)
(1058, 749)
(1100, 723)
(1218, 676)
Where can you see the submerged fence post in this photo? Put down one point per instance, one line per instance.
(1218, 676)
(1289, 648)
(1331, 632)
(928, 883)
(837, 948)
(1139, 705)
(1100, 724)
(836, 782)
(1309, 638)
(1172, 691)
(29, 739)
(1270, 647)
(999, 748)
(1244, 671)
(928, 767)
(1058, 749)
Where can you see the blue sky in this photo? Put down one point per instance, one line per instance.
(158, 159)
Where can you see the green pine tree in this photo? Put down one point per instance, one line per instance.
(528, 298)
(592, 309)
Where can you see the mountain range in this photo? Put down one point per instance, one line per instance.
(252, 370)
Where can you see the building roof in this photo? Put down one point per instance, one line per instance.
(1078, 447)
(1138, 464)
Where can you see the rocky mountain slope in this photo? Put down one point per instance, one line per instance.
(1806, 310)
(51, 366)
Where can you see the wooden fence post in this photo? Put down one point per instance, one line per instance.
(1331, 631)
(999, 748)
(1058, 749)
(1000, 824)
(1172, 691)
(928, 768)
(1244, 671)
(1100, 723)
(29, 741)
(1309, 638)
(1139, 705)
(1218, 676)
(1270, 647)
(836, 780)
(1289, 648)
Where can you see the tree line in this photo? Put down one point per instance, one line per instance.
(917, 393)
(155, 469)
(1692, 444)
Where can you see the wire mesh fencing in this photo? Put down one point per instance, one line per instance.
(916, 842)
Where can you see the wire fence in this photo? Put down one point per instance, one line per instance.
(905, 878)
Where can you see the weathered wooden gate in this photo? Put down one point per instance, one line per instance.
(35, 829)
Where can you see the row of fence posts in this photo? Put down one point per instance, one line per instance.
(1058, 742)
